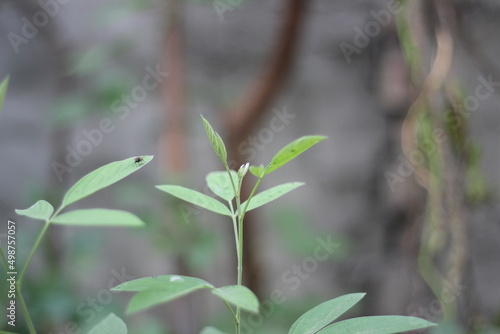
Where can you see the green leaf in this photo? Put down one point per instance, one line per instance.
(103, 177)
(271, 194)
(377, 325)
(197, 198)
(221, 185)
(98, 217)
(257, 170)
(211, 330)
(3, 91)
(292, 150)
(110, 325)
(160, 289)
(239, 295)
(323, 314)
(40, 210)
(216, 141)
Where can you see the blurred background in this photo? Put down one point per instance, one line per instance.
(401, 200)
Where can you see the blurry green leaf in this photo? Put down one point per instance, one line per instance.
(240, 296)
(211, 330)
(298, 237)
(102, 178)
(453, 328)
(323, 314)
(271, 194)
(110, 325)
(221, 185)
(3, 91)
(110, 88)
(88, 61)
(257, 170)
(292, 150)
(160, 289)
(197, 198)
(69, 109)
(377, 325)
(98, 217)
(40, 210)
(216, 141)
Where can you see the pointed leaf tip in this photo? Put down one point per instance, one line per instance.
(292, 150)
(215, 141)
(41, 210)
(104, 177)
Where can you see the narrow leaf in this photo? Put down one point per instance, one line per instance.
(323, 314)
(211, 330)
(197, 198)
(271, 194)
(110, 325)
(257, 170)
(239, 295)
(160, 289)
(103, 177)
(98, 217)
(220, 184)
(3, 91)
(40, 210)
(292, 150)
(377, 325)
(216, 141)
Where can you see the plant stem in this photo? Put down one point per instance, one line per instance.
(4, 259)
(235, 228)
(21, 277)
(33, 250)
(24, 309)
(235, 319)
(257, 184)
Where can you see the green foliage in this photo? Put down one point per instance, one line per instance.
(323, 314)
(197, 198)
(98, 217)
(271, 194)
(110, 325)
(239, 295)
(216, 141)
(3, 90)
(159, 289)
(211, 330)
(221, 185)
(103, 177)
(317, 320)
(291, 151)
(377, 325)
(89, 184)
(152, 291)
(41, 210)
(257, 170)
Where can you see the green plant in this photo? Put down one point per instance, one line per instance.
(151, 291)
(43, 210)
